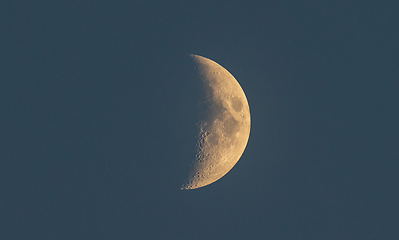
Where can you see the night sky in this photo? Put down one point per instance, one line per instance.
(98, 119)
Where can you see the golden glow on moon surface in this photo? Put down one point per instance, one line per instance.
(223, 129)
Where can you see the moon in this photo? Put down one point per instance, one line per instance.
(223, 127)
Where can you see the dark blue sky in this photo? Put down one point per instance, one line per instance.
(97, 119)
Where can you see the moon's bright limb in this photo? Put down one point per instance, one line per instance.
(224, 128)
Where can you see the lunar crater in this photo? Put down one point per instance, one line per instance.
(237, 104)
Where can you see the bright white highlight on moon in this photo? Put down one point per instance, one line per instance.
(224, 126)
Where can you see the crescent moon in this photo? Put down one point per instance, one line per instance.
(224, 127)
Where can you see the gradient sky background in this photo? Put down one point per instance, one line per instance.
(97, 119)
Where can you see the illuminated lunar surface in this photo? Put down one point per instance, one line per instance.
(224, 126)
